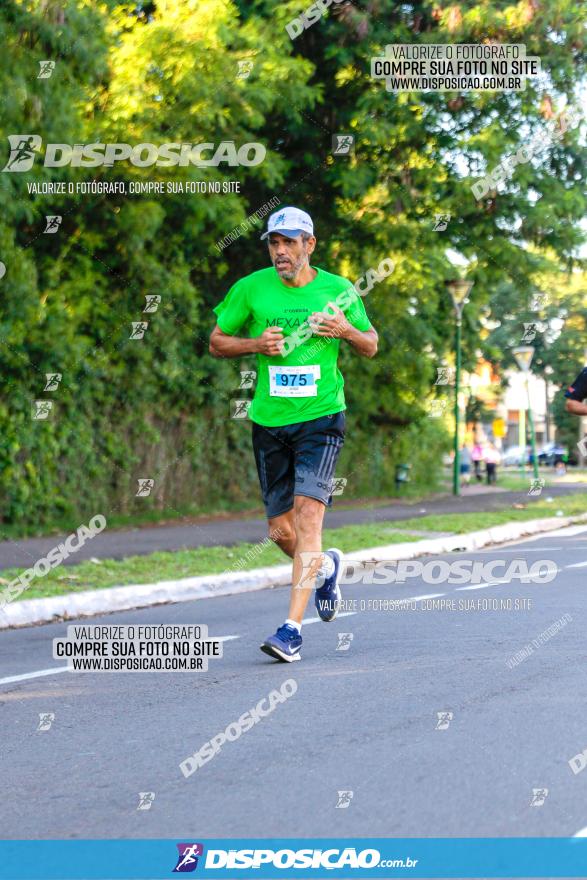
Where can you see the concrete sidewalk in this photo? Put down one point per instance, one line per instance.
(226, 531)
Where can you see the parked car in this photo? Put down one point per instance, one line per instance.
(515, 455)
(551, 453)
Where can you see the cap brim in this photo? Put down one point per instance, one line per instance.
(289, 233)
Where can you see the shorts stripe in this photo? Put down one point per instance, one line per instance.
(334, 445)
(324, 454)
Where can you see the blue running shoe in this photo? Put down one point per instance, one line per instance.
(327, 597)
(284, 645)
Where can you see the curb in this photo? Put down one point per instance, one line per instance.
(107, 600)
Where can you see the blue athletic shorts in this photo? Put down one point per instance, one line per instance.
(298, 459)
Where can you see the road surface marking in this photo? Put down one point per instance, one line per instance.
(481, 586)
(308, 620)
(577, 565)
(38, 674)
(56, 669)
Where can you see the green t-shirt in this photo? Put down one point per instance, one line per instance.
(304, 383)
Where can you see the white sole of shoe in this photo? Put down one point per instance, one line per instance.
(278, 655)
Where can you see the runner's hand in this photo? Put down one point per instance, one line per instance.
(333, 325)
(270, 342)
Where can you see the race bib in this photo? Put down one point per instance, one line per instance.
(294, 381)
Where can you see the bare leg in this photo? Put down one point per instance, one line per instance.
(282, 532)
(308, 517)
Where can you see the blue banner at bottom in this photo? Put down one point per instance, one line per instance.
(286, 858)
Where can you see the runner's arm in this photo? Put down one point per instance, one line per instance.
(363, 341)
(335, 324)
(576, 407)
(223, 345)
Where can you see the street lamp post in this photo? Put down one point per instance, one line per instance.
(459, 291)
(523, 355)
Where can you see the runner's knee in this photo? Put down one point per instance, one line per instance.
(308, 515)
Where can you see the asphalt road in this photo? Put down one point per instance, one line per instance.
(363, 720)
(120, 543)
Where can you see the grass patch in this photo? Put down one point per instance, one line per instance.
(459, 523)
(167, 565)
(215, 560)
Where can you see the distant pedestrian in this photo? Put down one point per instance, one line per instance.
(465, 461)
(492, 459)
(477, 456)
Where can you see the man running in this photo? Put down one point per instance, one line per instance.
(294, 316)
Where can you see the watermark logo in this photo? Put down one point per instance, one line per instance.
(146, 799)
(41, 409)
(582, 446)
(578, 762)
(240, 409)
(138, 329)
(543, 637)
(53, 380)
(53, 558)
(312, 561)
(344, 800)
(441, 222)
(96, 155)
(152, 301)
(244, 69)
(505, 170)
(236, 729)
(374, 276)
(446, 376)
(344, 641)
(145, 487)
(46, 719)
(444, 719)
(187, 859)
(536, 487)
(539, 795)
(52, 223)
(46, 68)
(437, 407)
(343, 144)
(538, 301)
(311, 15)
(248, 224)
(461, 571)
(247, 379)
(530, 331)
(2, 269)
(339, 485)
(447, 67)
(22, 151)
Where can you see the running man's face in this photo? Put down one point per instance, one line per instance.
(289, 255)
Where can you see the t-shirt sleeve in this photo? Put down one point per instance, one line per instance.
(233, 312)
(354, 309)
(578, 390)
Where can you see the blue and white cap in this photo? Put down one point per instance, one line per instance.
(289, 221)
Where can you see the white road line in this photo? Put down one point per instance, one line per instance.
(482, 586)
(39, 674)
(54, 670)
(309, 620)
(526, 549)
(577, 565)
